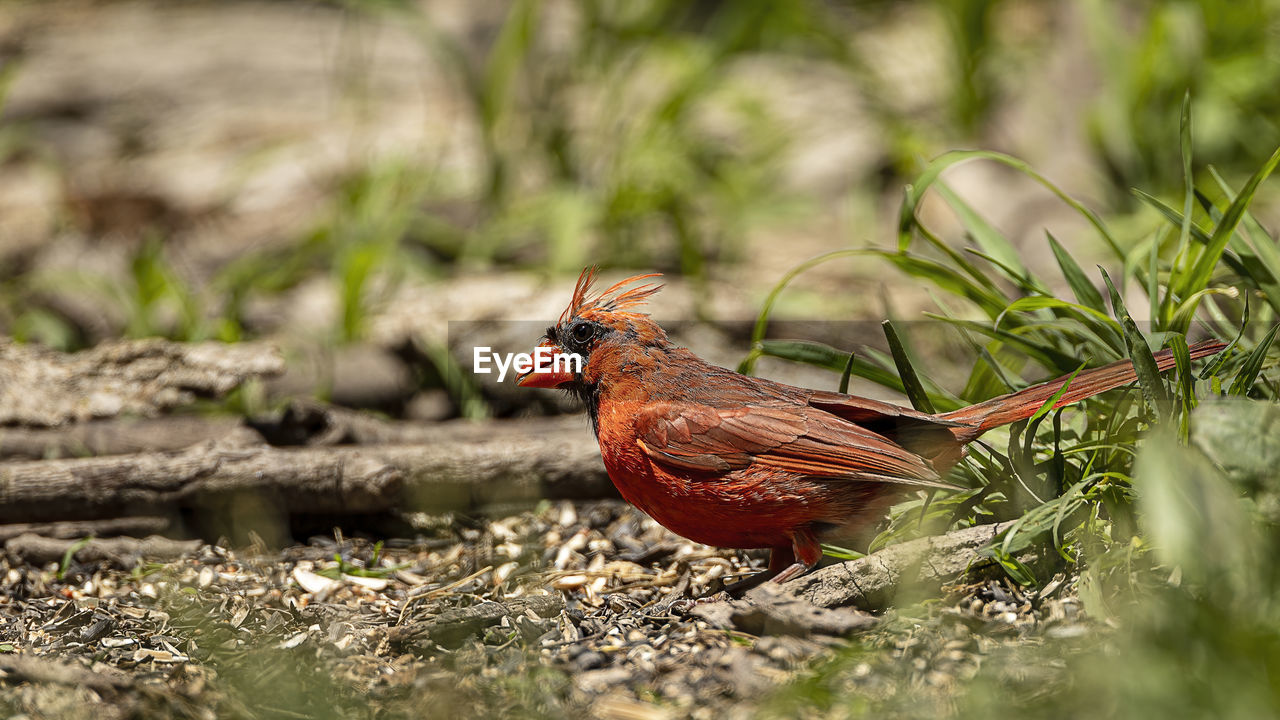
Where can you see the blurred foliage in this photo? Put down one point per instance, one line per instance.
(1189, 608)
(1224, 52)
(656, 135)
(640, 134)
(1162, 505)
(599, 145)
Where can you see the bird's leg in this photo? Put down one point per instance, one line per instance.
(785, 563)
(806, 551)
(780, 558)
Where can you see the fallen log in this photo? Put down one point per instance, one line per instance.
(121, 552)
(45, 388)
(464, 468)
(119, 436)
(135, 526)
(917, 566)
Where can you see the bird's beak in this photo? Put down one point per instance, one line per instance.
(552, 372)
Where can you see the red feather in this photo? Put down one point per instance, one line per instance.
(737, 461)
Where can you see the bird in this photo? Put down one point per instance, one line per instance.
(738, 461)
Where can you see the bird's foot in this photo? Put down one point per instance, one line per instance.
(791, 573)
(740, 588)
(681, 606)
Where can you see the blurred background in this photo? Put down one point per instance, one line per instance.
(374, 186)
(346, 178)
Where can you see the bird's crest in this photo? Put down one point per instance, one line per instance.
(612, 299)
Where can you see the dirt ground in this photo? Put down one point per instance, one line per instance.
(568, 609)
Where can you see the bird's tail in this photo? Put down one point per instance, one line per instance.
(977, 419)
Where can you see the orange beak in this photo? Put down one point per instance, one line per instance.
(555, 369)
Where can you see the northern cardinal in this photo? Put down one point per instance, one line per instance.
(737, 461)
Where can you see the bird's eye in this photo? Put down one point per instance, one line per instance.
(582, 332)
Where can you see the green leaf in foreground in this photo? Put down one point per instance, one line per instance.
(1243, 437)
(846, 373)
(1194, 517)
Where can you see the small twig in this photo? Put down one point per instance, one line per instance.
(437, 592)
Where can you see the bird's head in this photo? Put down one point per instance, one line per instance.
(599, 329)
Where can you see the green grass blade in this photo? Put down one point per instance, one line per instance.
(947, 279)
(1026, 284)
(1188, 180)
(762, 320)
(824, 356)
(1214, 366)
(1202, 271)
(931, 173)
(1252, 366)
(1040, 303)
(1048, 404)
(845, 373)
(1155, 303)
(1086, 294)
(1144, 362)
(1046, 355)
(809, 352)
(909, 225)
(910, 381)
(1177, 344)
(70, 553)
(1259, 254)
(1185, 312)
(1002, 252)
(1173, 216)
(988, 377)
(1237, 264)
(1101, 327)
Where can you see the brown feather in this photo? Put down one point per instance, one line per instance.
(796, 439)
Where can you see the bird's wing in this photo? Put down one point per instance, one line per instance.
(926, 435)
(793, 438)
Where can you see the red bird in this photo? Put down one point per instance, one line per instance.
(736, 461)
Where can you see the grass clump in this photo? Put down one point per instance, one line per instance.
(1160, 501)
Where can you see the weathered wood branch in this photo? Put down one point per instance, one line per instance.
(159, 483)
(117, 436)
(135, 526)
(123, 552)
(510, 462)
(44, 388)
(924, 565)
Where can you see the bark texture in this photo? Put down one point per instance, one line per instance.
(44, 388)
(919, 566)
